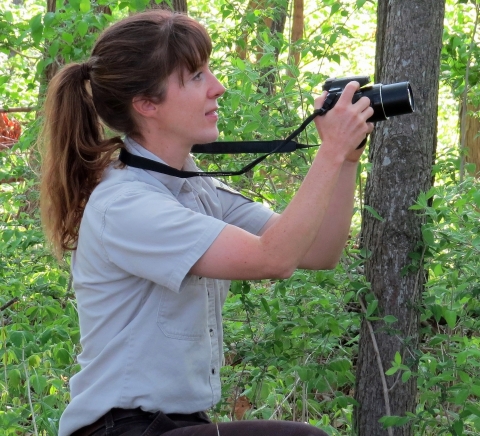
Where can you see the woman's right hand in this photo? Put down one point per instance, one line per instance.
(345, 126)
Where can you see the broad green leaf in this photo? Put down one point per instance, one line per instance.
(451, 317)
(390, 319)
(84, 6)
(398, 358)
(38, 383)
(372, 306)
(36, 27)
(82, 28)
(68, 37)
(14, 378)
(428, 237)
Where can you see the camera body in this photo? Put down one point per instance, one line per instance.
(386, 100)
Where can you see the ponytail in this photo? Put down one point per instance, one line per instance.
(75, 154)
(134, 57)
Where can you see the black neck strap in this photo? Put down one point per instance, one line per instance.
(269, 147)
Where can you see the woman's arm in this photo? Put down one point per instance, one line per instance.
(285, 242)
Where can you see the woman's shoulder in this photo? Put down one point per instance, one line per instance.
(117, 183)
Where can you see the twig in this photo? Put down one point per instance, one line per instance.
(380, 366)
(8, 304)
(17, 109)
(12, 180)
(29, 393)
(35, 58)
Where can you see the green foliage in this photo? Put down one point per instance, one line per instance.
(290, 345)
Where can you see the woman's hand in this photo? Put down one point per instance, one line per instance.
(344, 127)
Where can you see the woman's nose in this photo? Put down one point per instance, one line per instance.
(217, 88)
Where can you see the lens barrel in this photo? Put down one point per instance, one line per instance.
(387, 100)
(397, 99)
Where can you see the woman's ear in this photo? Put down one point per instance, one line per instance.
(144, 106)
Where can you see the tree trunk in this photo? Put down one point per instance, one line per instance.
(297, 28)
(277, 27)
(409, 38)
(472, 137)
(173, 5)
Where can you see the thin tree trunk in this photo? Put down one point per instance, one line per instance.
(174, 5)
(277, 27)
(297, 28)
(409, 38)
(472, 137)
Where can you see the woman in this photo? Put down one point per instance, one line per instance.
(152, 253)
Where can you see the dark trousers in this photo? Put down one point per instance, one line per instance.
(197, 424)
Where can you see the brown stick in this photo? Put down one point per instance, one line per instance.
(12, 180)
(17, 109)
(8, 304)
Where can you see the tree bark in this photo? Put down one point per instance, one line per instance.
(472, 137)
(297, 28)
(276, 25)
(409, 38)
(176, 5)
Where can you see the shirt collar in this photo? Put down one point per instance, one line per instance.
(173, 184)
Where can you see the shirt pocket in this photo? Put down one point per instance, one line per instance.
(184, 315)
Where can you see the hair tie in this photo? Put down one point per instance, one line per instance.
(85, 71)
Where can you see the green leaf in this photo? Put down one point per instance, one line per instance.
(373, 212)
(475, 390)
(428, 237)
(451, 317)
(476, 198)
(265, 305)
(62, 356)
(240, 64)
(53, 49)
(392, 370)
(250, 127)
(457, 428)
(36, 27)
(68, 37)
(371, 308)
(390, 319)
(82, 28)
(235, 101)
(398, 358)
(394, 421)
(14, 378)
(84, 5)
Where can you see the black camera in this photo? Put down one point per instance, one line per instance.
(386, 100)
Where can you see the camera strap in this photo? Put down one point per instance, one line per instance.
(269, 147)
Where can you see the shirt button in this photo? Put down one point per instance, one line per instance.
(211, 332)
(213, 371)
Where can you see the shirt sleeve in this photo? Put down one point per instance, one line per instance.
(240, 211)
(151, 235)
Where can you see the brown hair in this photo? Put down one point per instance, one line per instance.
(132, 58)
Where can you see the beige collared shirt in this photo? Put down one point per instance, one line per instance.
(151, 334)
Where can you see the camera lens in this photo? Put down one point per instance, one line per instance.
(397, 99)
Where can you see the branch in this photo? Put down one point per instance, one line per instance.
(8, 304)
(8, 144)
(17, 109)
(35, 58)
(12, 180)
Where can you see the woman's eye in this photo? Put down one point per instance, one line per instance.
(197, 76)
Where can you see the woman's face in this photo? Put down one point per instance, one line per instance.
(188, 115)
